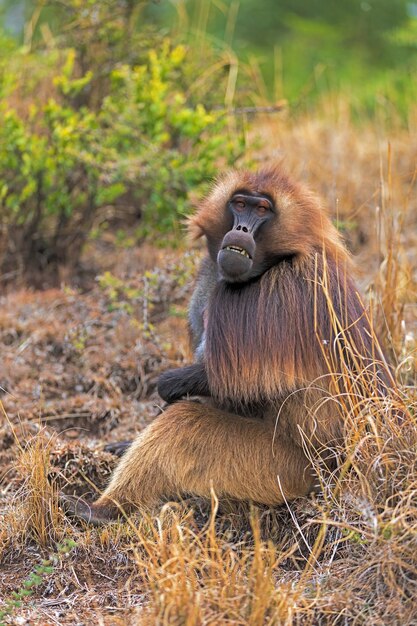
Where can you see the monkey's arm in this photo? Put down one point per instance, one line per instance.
(197, 312)
(183, 381)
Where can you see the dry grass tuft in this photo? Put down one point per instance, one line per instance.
(197, 577)
(37, 498)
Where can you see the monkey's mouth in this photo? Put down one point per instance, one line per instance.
(239, 250)
(235, 257)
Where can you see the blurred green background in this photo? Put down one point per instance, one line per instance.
(305, 47)
(296, 49)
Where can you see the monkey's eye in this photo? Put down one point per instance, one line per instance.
(239, 204)
(261, 209)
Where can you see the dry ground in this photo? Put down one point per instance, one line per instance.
(79, 367)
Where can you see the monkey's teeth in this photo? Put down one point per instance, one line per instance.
(240, 250)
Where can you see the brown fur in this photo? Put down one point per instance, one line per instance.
(295, 335)
(270, 346)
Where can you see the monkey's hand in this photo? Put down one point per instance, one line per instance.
(183, 381)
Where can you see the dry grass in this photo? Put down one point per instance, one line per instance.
(82, 371)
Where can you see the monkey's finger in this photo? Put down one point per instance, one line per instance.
(117, 448)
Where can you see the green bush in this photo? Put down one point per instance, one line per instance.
(141, 147)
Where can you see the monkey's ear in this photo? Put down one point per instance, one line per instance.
(194, 228)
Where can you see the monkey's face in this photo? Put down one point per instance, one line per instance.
(237, 257)
(253, 221)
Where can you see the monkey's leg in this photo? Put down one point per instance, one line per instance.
(191, 447)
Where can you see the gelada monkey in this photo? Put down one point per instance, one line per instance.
(278, 330)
